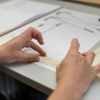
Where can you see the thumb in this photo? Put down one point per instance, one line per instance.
(90, 57)
(23, 57)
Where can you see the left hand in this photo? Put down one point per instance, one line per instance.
(11, 52)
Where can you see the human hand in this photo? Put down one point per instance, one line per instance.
(11, 52)
(76, 73)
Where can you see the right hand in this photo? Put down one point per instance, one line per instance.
(12, 51)
(76, 72)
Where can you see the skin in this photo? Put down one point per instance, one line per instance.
(11, 52)
(74, 75)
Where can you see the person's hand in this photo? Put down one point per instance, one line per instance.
(11, 52)
(76, 73)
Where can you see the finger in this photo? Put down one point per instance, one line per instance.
(23, 57)
(31, 33)
(37, 48)
(21, 40)
(74, 48)
(90, 57)
(97, 68)
(16, 43)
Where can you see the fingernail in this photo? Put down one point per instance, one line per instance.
(74, 40)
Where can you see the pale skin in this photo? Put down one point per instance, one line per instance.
(74, 73)
(11, 52)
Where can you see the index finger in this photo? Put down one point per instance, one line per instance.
(74, 48)
(21, 40)
(32, 33)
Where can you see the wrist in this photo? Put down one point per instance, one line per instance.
(69, 91)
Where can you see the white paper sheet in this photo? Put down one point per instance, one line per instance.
(14, 12)
(58, 31)
(60, 27)
(83, 26)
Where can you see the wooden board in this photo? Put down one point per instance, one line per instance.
(92, 2)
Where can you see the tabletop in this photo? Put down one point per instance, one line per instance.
(43, 78)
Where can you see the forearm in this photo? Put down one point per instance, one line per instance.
(65, 93)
